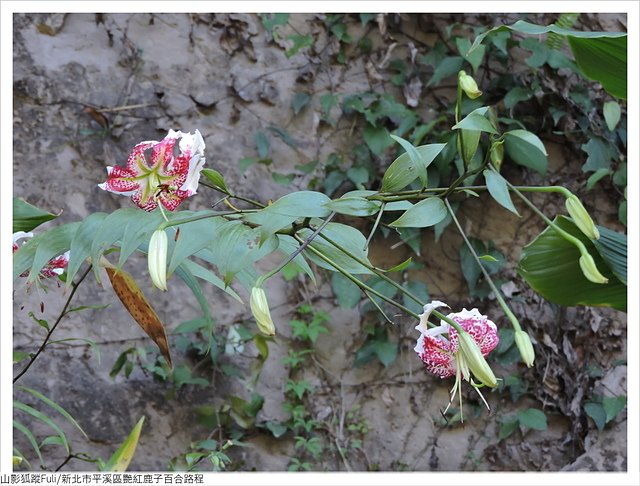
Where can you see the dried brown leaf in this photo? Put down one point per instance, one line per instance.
(139, 307)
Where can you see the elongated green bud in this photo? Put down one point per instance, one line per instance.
(467, 144)
(581, 217)
(590, 271)
(496, 153)
(157, 259)
(260, 311)
(523, 342)
(468, 85)
(475, 361)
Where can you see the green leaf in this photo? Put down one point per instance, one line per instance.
(354, 206)
(404, 170)
(287, 209)
(216, 179)
(283, 135)
(533, 419)
(401, 266)
(53, 405)
(282, 179)
(235, 248)
(44, 419)
(377, 139)
(611, 112)
(19, 356)
(189, 279)
(346, 292)
(550, 265)
(526, 149)
(597, 413)
(37, 251)
(385, 351)
(113, 229)
(358, 175)
(497, 186)
(516, 95)
(27, 217)
(603, 60)
(476, 121)
(539, 53)
(30, 437)
(507, 428)
(613, 406)
(425, 213)
(612, 247)
(270, 21)
(262, 144)
(419, 289)
(412, 152)
(194, 236)
(137, 231)
(121, 458)
(299, 42)
(80, 247)
(287, 245)
(276, 428)
(246, 162)
(475, 57)
(469, 266)
(600, 154)
(307, 168)
(299, 101)
(601, 56)
(398, 206)
(447, 67)
(488, 258)
(596, 176)
(348, 238)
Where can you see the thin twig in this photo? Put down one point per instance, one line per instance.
(53, 328)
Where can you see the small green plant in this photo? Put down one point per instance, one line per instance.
(603, 410)
(531, 418)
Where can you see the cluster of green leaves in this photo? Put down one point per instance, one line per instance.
(600, 56)
(550, 265)
(203, 452)
(231, 417)
(603, 410)
(31, 412)
(312, 437)
(531, 418)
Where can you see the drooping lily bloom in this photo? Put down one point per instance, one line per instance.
(56, 266)
(446, 353)
(160, 171)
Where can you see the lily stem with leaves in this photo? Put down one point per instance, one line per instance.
(380, 273)
(496, 291)
(63, 313)
(365, 288)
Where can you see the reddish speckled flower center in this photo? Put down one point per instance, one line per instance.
(438, 347)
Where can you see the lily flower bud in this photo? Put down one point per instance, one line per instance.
(260, 311)
(581, 217)
(468, 85)
(523, 342)
(475, 361)
(157, 259)
(590, 270)
(496, 153)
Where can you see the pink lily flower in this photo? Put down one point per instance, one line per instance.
(56, 266)
(445, 354)
(160, 171)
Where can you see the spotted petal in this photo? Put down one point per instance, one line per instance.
(156, 171)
